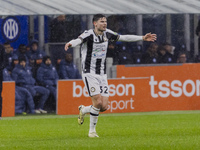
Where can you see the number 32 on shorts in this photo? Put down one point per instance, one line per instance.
(104, 89)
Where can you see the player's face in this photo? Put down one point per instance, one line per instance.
(101, 24)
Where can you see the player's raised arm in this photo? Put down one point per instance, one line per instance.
(73, 43)
(150, 37)
(134, 38)
(67, 46)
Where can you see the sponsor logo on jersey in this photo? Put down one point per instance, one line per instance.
(99, 54)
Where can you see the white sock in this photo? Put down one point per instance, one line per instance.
(94, 113)
(86, 109)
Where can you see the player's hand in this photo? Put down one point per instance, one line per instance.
(150, 37)
(67, 46)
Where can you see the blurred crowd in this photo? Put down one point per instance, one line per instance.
(164, 53)
(36, 77)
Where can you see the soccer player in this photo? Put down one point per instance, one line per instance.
(93, 50)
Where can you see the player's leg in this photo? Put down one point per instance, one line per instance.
(85, 109)
(92, 86)
(94, 114)
(82, 111)
(104, 93)
(104, 106)
(44, 92)
(100, 103)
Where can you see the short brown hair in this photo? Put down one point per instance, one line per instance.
(97, 17)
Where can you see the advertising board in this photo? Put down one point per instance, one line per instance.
(139, 89)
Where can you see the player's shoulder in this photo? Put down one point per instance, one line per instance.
(111, 32)
(86, 33)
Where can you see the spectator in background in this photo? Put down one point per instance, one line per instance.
(47, 76)
(58, 29)
(21, 52)
(151, 55)
(22, 75)
(64, 28)
(182, 57)
(67, 69)
(57, 65)
(37, 63)
(8, 54)
(164, 56)
(14, 62)
(2, 66)
(59, 32)
(34, 52)
(22, 96)
(169, 48)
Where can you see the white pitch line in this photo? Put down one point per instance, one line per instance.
(103, 115)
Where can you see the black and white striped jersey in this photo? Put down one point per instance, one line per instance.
(94, 49)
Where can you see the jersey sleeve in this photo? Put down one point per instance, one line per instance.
(112, 36)
(84, 36)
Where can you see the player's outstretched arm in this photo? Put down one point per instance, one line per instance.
(67, 46)
(150, 37)
(135, 38)
(73, 43)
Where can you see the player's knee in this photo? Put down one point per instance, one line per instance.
(99, 103)
(105, 104)
(104, 108)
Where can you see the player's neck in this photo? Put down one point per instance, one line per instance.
(98, 32)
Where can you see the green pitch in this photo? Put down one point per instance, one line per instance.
(173, 130)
